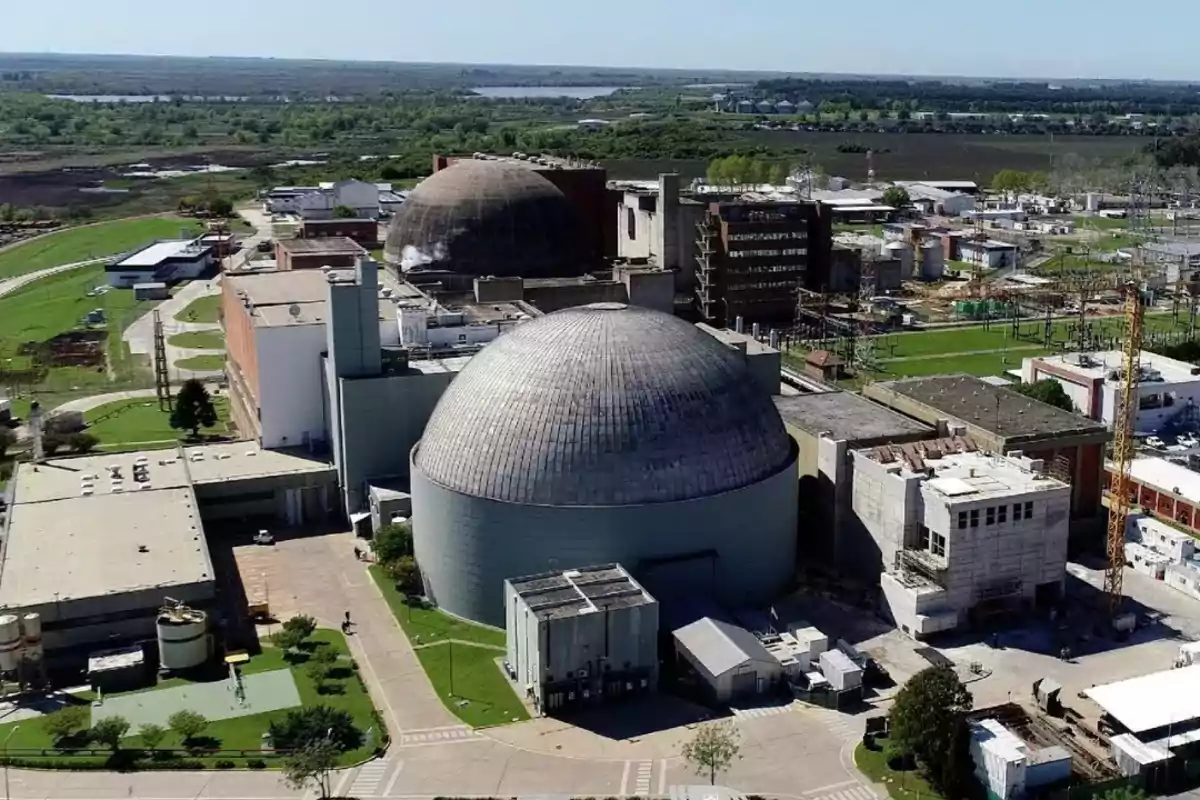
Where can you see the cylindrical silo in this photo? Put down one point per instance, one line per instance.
(182, 638)
(31, 627)
(10, 643)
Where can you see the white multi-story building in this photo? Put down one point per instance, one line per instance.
(961, 532)
(319, 202)
(1094, 381)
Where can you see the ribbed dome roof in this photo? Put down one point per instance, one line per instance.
(603, 405)
(479, 217)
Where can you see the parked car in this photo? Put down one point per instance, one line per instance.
(1156, 443)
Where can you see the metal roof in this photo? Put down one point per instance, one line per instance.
(603, 405)
(719, 646)
(1147, 702)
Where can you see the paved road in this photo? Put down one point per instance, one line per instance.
(791, 751)
(10, 285)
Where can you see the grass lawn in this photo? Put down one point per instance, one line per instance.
(201, 363)
(96, 241)
(206, 340)
(985, 364)
(907, 785)
(30, 741)
(489, 699)
(140, 420)
(202, 309)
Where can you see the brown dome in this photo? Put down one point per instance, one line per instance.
(481, 217)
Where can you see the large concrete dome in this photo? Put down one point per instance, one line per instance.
(604, 434)
(479, 217)
(603, 405)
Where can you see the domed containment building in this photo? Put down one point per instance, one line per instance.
(601, 434)
(487, 217)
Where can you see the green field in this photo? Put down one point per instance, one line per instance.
(199, 340)
(94, 241)
(202, 309)
(201, 363)
(28, 741)
(906, 785)
(471, 658)
(133, 422)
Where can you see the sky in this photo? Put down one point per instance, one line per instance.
(1014, 38)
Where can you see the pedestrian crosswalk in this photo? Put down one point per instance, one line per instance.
(765, 711)
(369, 776)
(454, 733)
(645, 772)
(845, 727)
(858, 792)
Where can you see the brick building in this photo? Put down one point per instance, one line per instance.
(336, 251)
(363, 231)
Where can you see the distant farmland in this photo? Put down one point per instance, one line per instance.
(912, 156)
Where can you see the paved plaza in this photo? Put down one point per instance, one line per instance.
(262, 692)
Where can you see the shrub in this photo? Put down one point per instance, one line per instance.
(82, 442)
(225, 763)
(306, 725)
(255, 763)
(187, 724)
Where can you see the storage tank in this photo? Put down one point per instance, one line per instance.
(904, 253)
(933, 265)
(182, 637)
(10, 643)
(31, 627)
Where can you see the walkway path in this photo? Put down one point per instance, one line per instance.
(10, 285)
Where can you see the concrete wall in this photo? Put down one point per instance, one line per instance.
(654, 290)
(889, 508)
(289, 359)
(380, 420)
(467, 546)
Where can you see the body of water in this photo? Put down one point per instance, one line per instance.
(577, 92)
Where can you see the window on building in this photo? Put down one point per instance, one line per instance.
(962, 520)
(923, 542)
(1029, 510)
(975, 518)
(1002, 514)
(937, 544)
(462, 337)
(631, 224)
(1016, 511)
(990, 516)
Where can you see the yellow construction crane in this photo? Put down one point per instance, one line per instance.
(1119, 501)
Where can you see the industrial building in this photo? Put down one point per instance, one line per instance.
(988, 253)
(1008, 767)
(604, 434)
(999, 420)
(657, 225)
(962, 534)
(937, 201)
(301, 254)
(488, 217)
(364, 232)
(321, 201)
(97, 585)
(161, 262)
(1168, 490)
(1166, 388)
(1152, 718)
(751, 258)
(583, 183)
(730, 660)
(581, 637)
(828, 427)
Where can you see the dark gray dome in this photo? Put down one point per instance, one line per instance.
(480, 217)
(603, 405)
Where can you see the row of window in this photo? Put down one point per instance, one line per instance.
(792, 251)
(767, 237)
(994, 515)
(741, 287)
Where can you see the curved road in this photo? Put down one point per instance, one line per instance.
(10, 285)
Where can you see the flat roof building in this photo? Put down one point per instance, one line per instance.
(1171, 491)
(1166, 387)
(168, 261)
(581, 636)
(827, 427)
(314, 253)
(1000, 420)
(962, 534)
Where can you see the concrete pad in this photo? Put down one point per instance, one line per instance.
(265, 691)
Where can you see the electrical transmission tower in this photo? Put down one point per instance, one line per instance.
(162, 376)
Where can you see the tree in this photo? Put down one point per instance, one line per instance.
(344, 212)
(779, 175)
(188, 724)
(393, 541)
(7, 440)
(1124, 793)
(220, 207)
(713, 749)
(82, 442)
(302, 624)
(407, 575)
(151, 735)
(896, 197)
(304, 726)
(110, 731)
(313, 762)
(52, 443)
(925, 715)
(193, 408)
(62, 723)
(1048, 391)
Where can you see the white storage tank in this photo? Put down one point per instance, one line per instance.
(31, 627)
(10, 642)
(182, 637)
